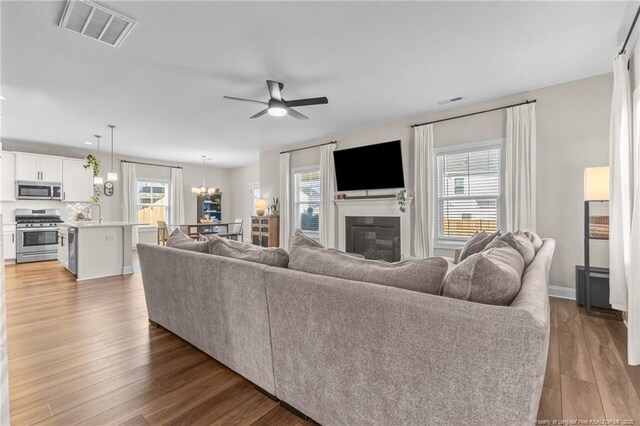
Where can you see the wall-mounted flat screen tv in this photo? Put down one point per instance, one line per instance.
(376, 166)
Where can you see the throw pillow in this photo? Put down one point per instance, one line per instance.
(476, 244)
(180, 240)
(492, 277)
(522, 245)
(535, 239)
(424, 275)
(272, 256)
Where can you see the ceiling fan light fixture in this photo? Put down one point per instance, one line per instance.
(277, 111)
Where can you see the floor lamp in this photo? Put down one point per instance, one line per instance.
(596, 190)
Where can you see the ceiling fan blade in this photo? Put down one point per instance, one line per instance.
(295, 114)
(274, 90)
(244, 100)
(260, 114)
(306, 102)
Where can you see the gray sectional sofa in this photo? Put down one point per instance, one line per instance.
(349, 352)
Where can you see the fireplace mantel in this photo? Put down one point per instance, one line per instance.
(381, 207)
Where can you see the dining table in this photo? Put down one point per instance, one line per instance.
(194, 230)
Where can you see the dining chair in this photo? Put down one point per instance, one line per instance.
(163, 233)
(234, 231)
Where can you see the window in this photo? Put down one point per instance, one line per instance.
(254, 194)
(459, 186)
(469, 190)
(153, 201)
(306, 200)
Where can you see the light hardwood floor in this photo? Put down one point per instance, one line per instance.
(85, 354)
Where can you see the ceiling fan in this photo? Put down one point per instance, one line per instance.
(277, 106)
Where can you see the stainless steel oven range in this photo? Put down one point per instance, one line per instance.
(37, 235)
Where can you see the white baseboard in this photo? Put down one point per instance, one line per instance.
(562, 292)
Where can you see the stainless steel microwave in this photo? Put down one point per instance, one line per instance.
(38, 190)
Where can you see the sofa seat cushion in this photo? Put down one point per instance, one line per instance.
(476, 244)
(180, 240)
(272, 256)
(423, 275)
(491, 277)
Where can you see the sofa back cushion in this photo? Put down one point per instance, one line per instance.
(272, 256)
(522, 244)
(535, 239)
(476, 244)
(491, 277)
(180, 240)
(298, 239)
(424, 275)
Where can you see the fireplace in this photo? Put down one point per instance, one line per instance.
(373, 237)
(374, 228)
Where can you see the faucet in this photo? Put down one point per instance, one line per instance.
(99, 211)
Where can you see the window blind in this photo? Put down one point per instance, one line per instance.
(307, 200)
(468, 192)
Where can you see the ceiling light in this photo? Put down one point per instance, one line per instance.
(88, 143)
(97, 179)
(112, 176)
(2, 98)
(277, 112)
(203, 190)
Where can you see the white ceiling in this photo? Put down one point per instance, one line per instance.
(375, 61)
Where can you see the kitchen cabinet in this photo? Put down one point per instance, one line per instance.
(8, 177)
(38, 168)
(77, 181)
(9, 241)
(50, 169)
(63, 246)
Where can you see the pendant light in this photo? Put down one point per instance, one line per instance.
(98, 180)
(203, 190)
(112, 176)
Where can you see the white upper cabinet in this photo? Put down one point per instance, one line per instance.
(8, 186)
(50, 169)
(77, 181)
(39, 168)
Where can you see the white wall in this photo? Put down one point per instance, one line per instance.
(239, 181)
(112, 206)
(573, 126)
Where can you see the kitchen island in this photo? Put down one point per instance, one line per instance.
(93, 249)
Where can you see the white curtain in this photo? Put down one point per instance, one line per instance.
(423, 197)
(176, 197)
(621, 184)
(633, 346)
(129, 197)
(327, 195)
(520, 168)
(624, 220)
(4, 366)
(285, 199)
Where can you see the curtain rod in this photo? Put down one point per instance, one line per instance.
(476, 113)
(308, 147)
(150, 164)
(626, 40)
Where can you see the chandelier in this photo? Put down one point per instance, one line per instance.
(203, 190)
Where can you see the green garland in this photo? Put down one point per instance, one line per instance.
(402, 200)
(94, 163)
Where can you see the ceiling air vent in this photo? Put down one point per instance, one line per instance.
(450, 101)
(93, 20)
